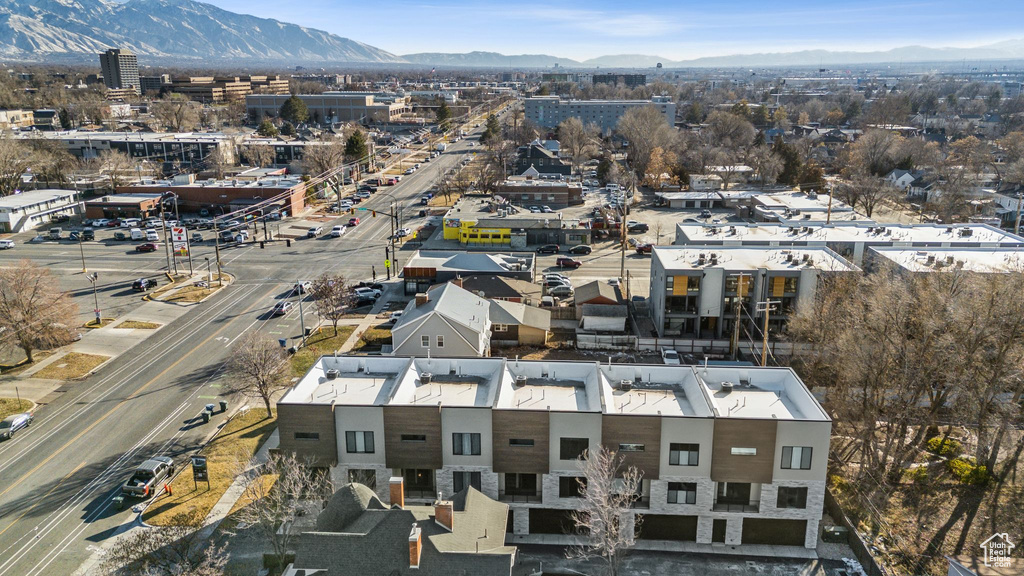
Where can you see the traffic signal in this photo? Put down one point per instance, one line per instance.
(351, 210)
(373, 213)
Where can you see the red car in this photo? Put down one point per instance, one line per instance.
(644, 248)
(148, 247)
(568, 263)
(353, 221)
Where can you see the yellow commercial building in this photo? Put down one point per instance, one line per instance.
(467, 232)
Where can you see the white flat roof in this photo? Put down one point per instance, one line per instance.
(984, 260)
(758, 393)
(801, 201)
(750, 258)
(33, 197)
(868, 232)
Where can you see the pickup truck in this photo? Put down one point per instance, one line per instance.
(149, 477)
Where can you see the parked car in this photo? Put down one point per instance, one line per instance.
(100, 223)
(147, 247)
(314, 231)
(670, 357)
(197, 238)
(131, 223)
(281, 308)
(548, 249)
(371, 285)
(554, 276)
(637, 227)
(152, 236)
(535, 209)
(120, 236)
(581, 249)
(363, 292)
(6, 244)
(552, 282)
(55, 233)
(705, 213)
(138, 234)
(393, 318)
(13, 423)
(363, 195)
(148, 477)
(88, 234)
(546, 210)
(548, 301)
(568, 263)
(143, 284)
(562, 291)
(337, 231)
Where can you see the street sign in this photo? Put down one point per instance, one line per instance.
(180, 248)
(387, 263)
(199, 470)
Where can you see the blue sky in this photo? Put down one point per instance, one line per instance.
(676, 30)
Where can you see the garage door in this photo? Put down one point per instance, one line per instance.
(665, 527)
(771, 531)
(547, 521)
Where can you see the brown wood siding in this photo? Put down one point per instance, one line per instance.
(508, 424)
(425, 420)
(308, 419)
(619, 429)
(732, 432)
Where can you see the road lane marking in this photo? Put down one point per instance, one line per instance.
(37, 502)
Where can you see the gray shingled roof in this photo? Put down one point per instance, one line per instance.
(503, 312)
(453, 303)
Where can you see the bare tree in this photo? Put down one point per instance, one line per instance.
(34, 313)
(176, 112)
(257, 367)
(645, 129)
(866, 192)
(118, 166)
(578, 141)
(324, 155)
(260, 155)
(15, 159)
(219, 161)
(607, 493)
(175, 550)
(277, 492)
(330, 295)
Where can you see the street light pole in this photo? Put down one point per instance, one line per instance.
(95, 298)
(81, 249)
(209, 273)
(302, 319)
(167, 247)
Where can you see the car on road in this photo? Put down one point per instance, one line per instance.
(403, 232)
(644, 248)
(143, 284)
(147, 247)
(337, 231)
(409, 171)
(281, 308)
(562, 291)
(705, 213)
(548, 249)
(314, 231)
(88, 234)
(364, 293)
(6, 244)
(566, 262)
(353, 221)
(303, 286)
(581, 249)
(149, 477)
(670, 357)
(13, 423)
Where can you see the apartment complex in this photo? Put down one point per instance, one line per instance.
(333, 107)
(120, 69)
(227, 88)
(849, 239)
(731, 455)
(695, 290)
(184, 147)
(975, 260)
(550, 111)
(629, 80)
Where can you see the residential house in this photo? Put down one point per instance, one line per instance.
(597, 292)
(357, 533)
(517, 324)
(503, 288)
(545, 161)
(728, 455)
(427, 268)
(902, 179)
(445, 320)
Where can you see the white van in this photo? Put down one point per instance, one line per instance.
(137, 234)
(151, 236)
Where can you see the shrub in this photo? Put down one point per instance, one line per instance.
(949, 447)
(917, 475)
(967, 471)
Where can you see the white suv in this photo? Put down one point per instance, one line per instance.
(366, 293)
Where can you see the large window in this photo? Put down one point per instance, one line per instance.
(733, 493)
(571, 486)
(682, 493)
(367, 478)
(791, 497)
(359, 442)
(466, 444)
(684, 454)
(462, 480)
(796, 457)
(572, 448)
(520, 484)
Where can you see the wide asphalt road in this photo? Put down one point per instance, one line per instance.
(58, 478)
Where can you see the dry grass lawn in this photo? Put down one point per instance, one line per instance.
(91, 324)
(237, 442)
(318, 344)
(374, 337)
(137, 324)
(70, 366)
(10, 406)
(191, 294)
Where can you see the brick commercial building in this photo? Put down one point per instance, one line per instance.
(222, 196)
(123, 206)
(730, 455)
(227, 88)
(551, 193)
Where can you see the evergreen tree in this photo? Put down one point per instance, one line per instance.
(791, 165)
(294, 110)
(493, 129)
(355, 146)
(444, 116)
(267, 129)
(288, 129)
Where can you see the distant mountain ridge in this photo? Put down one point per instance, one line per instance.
(36, 29)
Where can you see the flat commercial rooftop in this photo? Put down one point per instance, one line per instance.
(470, 262)
(866, 232)
(749, 258)
(983, 260)
(33, 197)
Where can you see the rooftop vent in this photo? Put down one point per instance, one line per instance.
(521, 380)
(425, 377)
(727, 387)
(331, 374)
(625, 385)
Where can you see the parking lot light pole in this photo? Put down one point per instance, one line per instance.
(95, 298)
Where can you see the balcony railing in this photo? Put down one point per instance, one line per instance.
(733, 507)
(641, 502)
(420, 494)
(520, 498)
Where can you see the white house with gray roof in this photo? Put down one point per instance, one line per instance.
(446, 320)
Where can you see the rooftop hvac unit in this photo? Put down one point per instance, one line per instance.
(521, 380)
(625, 385)
(425, 377)
(745, 382)
(805, 257)
(966, 232)
(949, 260)
(331, 374)
(789, 257)
(931, 259)
(701, 260)
(714, 259)
(727, 387)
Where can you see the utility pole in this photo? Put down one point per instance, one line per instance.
(734, 344)
(302, 319)
(95, 298)
(216, 248)
(167, 246)
(766, 307)
(828, 213)
(81, 249)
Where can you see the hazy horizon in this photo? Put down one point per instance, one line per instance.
(672, 30)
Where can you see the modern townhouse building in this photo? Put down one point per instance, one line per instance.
(733, 455)
(694, 289)
(974, 259)
(850, 240)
